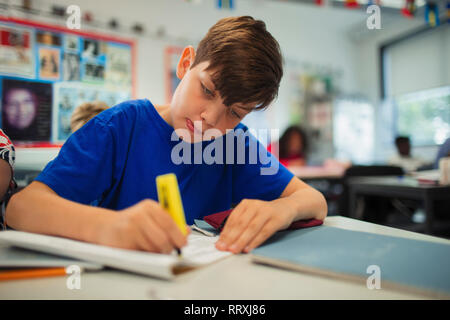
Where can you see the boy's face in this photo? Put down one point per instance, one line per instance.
(197, 110)
(404, 148)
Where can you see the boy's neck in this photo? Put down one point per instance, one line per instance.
(164, 112)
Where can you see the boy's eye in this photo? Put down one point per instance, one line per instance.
(206, 91)
(235, 114)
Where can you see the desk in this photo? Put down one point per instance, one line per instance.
(327, 179)
(239, 279)
(319, 172)
(398, 187)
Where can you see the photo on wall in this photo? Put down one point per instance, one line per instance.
(16, 52)
(93, 72)
(69, 95)
(118, 65)
(49, 63)
(91, 49)
(71, 67)
(171, 58)
(71, 43)
(48, 38)
(26, 110)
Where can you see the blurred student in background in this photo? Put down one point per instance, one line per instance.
(85, 112)
(403, 158)
(292, 147)
(7, 183)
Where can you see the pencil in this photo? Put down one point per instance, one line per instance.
(32, 273)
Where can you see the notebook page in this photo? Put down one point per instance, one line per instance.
(200, 250)
(137, 261)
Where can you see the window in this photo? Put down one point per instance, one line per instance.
(353, 130)
(424, 116)
(415, 75)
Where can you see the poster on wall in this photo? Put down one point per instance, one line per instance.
(93, 61)
(48, 38)
(118, 65)
(49, 63)
(46, 72)
(91, 49)
(26, 110)
(16, 52)
(71, 43)
(172, 56)
(69, 95)
(71, 67)
(93, 72)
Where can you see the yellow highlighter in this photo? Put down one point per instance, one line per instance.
(170, 199)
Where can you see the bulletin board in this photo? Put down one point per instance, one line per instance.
(46, 71)
(172, 55)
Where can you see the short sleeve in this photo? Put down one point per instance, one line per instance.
(261, 176)
(7, 151)
(83, 169)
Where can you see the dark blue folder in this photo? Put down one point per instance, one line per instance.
(413, 265)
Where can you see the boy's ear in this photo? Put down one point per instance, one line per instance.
(186, 60)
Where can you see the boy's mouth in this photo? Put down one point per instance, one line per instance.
(191, 127)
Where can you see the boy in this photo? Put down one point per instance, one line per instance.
(7, 183)
(116, 156)
(403, 158)
(85, 112)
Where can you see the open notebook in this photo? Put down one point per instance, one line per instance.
(13, 257)
(199, 251)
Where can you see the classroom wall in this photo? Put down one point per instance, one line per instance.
(306, 33)
(297, 28)
(368, 78)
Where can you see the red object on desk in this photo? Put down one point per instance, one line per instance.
(217, 220)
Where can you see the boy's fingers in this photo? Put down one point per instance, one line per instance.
(251, 232)
(143, 242)
(170, 228)
(233, 219)
(228, 237)
(224, 236)
(262, 236)
(155, 234)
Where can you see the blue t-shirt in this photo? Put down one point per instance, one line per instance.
(114, 159)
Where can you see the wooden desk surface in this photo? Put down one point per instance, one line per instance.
(233, 278)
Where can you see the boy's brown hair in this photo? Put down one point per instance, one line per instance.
(245, 60)
(85, 112)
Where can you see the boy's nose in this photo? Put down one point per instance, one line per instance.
(210, 116)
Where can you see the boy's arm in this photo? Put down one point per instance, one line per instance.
(253, 221)
(144, 226)
(295, 194)
(39, 209)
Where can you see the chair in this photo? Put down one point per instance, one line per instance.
(375, 204)
(375, 170)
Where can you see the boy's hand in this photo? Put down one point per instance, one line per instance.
(144, 226)
(252, 222)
